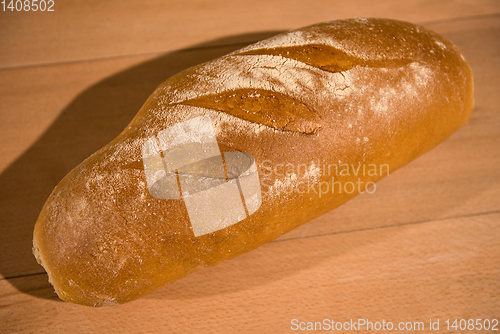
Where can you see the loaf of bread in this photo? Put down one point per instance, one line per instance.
(231, 154)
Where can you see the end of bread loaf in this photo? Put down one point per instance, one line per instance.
(359, 91)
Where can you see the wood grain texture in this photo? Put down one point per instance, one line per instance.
(438, 270)
(424, 245)
(93, 29)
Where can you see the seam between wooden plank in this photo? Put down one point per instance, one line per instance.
(479, 214)
(424, 23)
(459, 19)
(425, 221)
(21, 276)
(131, 56)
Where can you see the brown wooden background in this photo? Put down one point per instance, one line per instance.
(425, 246)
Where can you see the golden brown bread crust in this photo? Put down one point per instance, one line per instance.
(357, 92)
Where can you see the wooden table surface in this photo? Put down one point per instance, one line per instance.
(425, 245)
